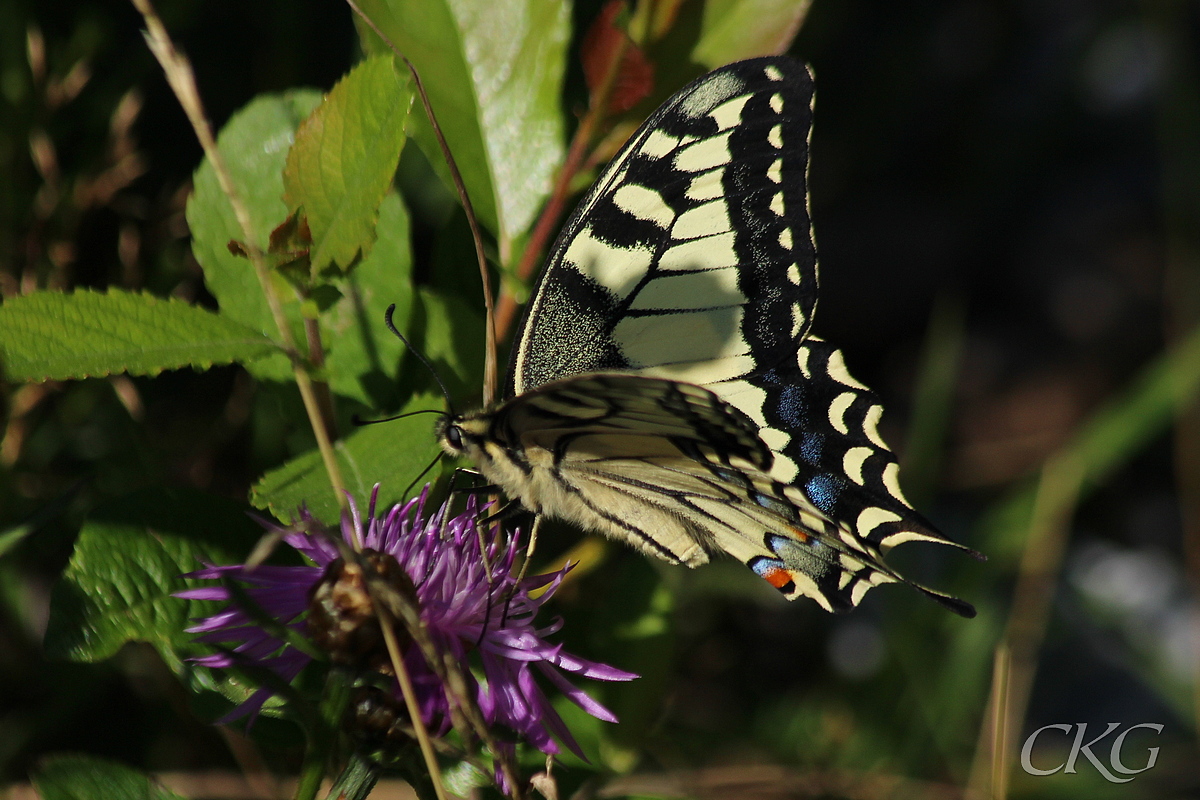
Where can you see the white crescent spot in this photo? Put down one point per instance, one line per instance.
(871, 426)
(837, 411)
(872, 517)
(891, 480)
(837, 370)
(853, 461)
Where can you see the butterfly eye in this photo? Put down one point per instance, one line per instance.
(454, 437)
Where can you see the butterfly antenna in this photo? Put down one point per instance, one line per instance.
(387, 317)
(360, 422)
(489, 362)
(424, 472)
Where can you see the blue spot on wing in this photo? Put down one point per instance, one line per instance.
(811, 446)
(823, 491)
(790, 406)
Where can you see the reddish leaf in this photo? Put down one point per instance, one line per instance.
(604, 43)
(288, 247)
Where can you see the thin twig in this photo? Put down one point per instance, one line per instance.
(183, 83)
(489, 360)
(1001, 674)
(316, 357)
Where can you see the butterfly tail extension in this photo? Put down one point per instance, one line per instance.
(837, 580)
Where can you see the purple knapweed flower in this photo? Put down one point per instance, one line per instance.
(463, 608)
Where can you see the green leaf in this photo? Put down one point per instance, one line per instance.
(77, 777)
(254, 145)
(391, 454)
(735, 29)
(127, 563)
(344, 159)
(451, 336)
(362, 356)
(47, 335)
(493, 72)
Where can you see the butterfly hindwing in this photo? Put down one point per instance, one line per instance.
(677, 472)
(822, 427)
(691, 258)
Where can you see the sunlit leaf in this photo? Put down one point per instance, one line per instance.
(361, 357)
(494, 73)
(344, 159)
(48, 335)
(735, 29)
(254, 144)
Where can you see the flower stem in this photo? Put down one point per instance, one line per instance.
(388, 624)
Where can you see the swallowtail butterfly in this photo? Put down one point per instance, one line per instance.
(663, 387)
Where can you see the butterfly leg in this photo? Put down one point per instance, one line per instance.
(471, 474)
(529, 548)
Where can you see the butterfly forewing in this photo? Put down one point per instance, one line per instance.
(691, 258)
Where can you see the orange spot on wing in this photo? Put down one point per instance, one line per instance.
(801, 535)
(778, 577)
